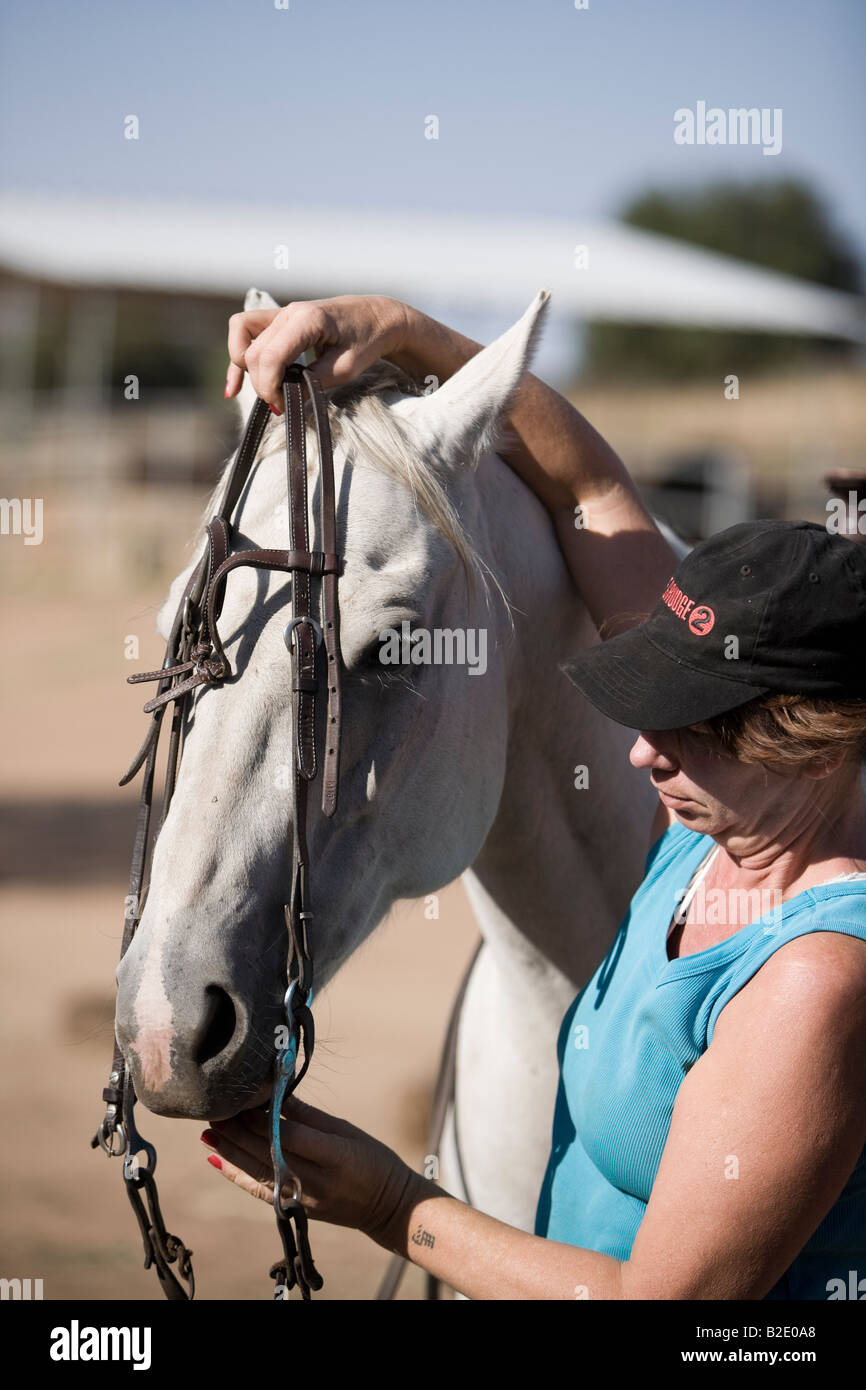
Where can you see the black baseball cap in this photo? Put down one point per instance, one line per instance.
(763, 606)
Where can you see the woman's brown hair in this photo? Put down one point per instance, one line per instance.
(785, 733)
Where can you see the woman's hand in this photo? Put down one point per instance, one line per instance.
(347, 1178)
(348, 334)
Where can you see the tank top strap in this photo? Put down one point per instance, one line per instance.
(835, 906)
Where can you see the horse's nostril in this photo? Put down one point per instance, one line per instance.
(218, 1027)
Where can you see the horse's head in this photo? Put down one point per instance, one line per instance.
(424, 744)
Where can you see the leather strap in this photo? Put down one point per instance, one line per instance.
(300, 562)
(304, 692)
(330, 606)
(195, 656)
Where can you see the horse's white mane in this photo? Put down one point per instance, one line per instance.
(421, 440)
(363, 423)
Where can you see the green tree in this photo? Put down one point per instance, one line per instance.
(782, 225)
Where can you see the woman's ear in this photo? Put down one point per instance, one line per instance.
(826, 766)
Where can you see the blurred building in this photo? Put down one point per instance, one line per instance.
(114, 314)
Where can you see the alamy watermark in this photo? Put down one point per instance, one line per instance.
(20, 1290)
(846, 518)
(854, 1288)
(739, 125)
(77, 1343)
(728, 907)
(22, 516)
(443, 646)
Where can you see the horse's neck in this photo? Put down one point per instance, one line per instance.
(570, 837)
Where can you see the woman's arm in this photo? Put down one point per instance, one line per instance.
(618, 558)
(350, 1179)
(762, 1141)
(767, 1129)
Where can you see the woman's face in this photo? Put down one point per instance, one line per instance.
(737, 803)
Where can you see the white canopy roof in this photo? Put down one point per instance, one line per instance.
(486, 265)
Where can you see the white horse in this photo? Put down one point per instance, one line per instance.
(506, 776)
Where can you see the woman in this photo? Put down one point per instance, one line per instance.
(709, 1133)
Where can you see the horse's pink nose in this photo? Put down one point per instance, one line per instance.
(196, 1054)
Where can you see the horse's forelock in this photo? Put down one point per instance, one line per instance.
(361, 419)
(363, 424)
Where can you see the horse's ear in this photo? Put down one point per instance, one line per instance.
(460, 421)
(255, 299)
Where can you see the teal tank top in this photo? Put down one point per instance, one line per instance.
(628, 1040)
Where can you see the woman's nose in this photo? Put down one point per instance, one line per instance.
(645, 752)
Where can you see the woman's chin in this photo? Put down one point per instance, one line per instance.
(691, 817)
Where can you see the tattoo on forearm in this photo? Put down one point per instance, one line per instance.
(422, 1237)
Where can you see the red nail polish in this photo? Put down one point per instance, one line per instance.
(217, 1162)
(207, 1136)
(226, 391)
(274, 411)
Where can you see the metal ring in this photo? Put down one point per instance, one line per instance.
(132, 1169)
(282, 1179)
(108, 1136)
(296, 622)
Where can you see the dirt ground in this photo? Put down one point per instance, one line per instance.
(71, 725)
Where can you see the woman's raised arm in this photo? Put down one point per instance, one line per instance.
(618, 558)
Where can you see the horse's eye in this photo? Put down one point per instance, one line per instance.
(381, 656)
(371, 657)
(383, 659)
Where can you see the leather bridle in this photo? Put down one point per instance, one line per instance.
(195, 657)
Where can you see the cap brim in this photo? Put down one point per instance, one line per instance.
(634, 682)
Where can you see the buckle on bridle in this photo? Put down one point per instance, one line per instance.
(289, 634)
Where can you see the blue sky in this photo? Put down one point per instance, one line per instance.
(544, 110)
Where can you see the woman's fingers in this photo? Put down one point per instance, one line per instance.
(244, 329)
(346, 1177)
(261, 1187)
(234, 380)
(263, 1190)
(252, 1170)
(253, 1137)
(258, 1119)
(337, 366)
(256, 1163)
(295, 1109)
(294, 330)
(255, 1147)
(347, 333)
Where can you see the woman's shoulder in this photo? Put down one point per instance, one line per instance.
(819, 978)
(836, 905)
(816, 945)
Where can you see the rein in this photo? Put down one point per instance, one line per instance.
(195, 657)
